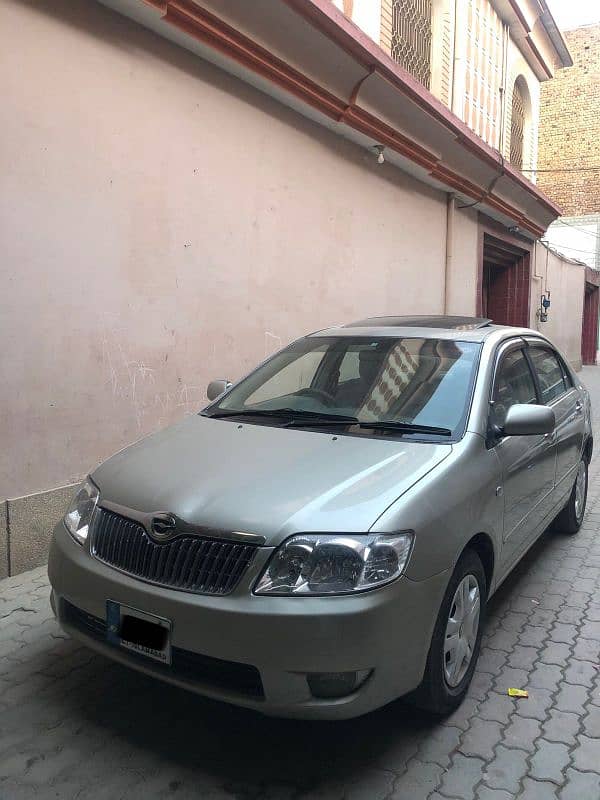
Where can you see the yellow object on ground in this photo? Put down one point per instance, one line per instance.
(518, 693)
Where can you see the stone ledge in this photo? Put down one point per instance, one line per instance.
(26, 525)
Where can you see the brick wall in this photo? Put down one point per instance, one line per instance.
(570, 126)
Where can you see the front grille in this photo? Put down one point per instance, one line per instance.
(190, 563)
(193, 668)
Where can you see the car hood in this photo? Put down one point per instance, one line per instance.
(265, 480)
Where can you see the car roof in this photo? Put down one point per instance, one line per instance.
(457, 328)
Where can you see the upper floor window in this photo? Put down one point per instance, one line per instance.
(411, 37)
(517, 127)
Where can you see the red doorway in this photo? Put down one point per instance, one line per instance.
(589, 328)
(504, 296)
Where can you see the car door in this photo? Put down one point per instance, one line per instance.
(527, 462)
(557, 391)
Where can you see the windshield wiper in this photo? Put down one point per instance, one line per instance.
(324, 421)
(295, 415)
(317, 419)
(405, 427)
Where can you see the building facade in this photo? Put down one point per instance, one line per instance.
(569, 160)
(569, 166)
(484, 59)
(187, 186)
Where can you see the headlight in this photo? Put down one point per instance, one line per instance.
(79, 513)
(335, 563)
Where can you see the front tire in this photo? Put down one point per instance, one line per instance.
(570, 518)
(456, 638)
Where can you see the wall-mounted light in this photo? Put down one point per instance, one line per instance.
(379, 148)
(542, 312)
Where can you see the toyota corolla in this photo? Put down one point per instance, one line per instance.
(325, 535)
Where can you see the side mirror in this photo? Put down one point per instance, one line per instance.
(525, 419)
(216, 388)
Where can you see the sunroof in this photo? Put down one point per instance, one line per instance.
(423, 321)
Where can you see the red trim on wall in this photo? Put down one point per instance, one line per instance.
(330, 21)
(209, 29)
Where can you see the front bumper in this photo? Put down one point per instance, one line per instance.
(387, 631)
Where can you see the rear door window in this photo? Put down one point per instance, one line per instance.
(550, 373)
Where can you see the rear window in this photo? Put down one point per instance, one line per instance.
(550, 373)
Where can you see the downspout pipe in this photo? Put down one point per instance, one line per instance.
(450, 213)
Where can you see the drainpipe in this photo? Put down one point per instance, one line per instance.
(450, 206)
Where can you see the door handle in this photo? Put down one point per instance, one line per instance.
(578, 407)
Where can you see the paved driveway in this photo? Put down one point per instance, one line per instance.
(74, 725)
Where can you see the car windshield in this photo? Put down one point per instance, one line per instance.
(384, 381)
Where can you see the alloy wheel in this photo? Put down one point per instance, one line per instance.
(461, 630)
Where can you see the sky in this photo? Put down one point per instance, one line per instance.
(573, 13)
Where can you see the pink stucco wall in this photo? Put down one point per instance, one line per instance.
(163, 224)
(566, 283)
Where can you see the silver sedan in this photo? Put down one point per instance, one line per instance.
(324, 537)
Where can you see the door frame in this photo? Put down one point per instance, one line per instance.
(515, 246)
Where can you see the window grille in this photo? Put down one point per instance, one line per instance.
(517, 126)
(411, 37)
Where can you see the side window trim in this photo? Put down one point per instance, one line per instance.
(541, 344)
(504, 349)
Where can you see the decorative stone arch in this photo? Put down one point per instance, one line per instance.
(521, 125)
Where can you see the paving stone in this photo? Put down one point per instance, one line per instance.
(570, 615)
(580, 786)
(554, 602)
(419, 780)
(511, 678)
(461, 778)
(502, 640)
(587, 650)
(513, 621)
(481, 684)
(438, 745)
(562, 632)
(525, 657)
(481, 738)
(506, 769)
(491, 661)
(497, 707)
(549, 761)
(590, 630)
(561, 727)
(577, 599)
(533, 636)
(581, 672)
(522, 733)
(485, 793)
(538, 790)
(591, 725)
(461, 718)
(593, 611)
(536, 705)
(544, 617)
(586, 754)
(546, 676)
(572, 698)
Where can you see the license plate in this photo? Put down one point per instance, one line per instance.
(137, 631)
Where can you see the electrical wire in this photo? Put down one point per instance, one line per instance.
(568, 247)
(577, 228)
(565, 169)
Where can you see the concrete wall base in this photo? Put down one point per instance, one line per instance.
(26, 525)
